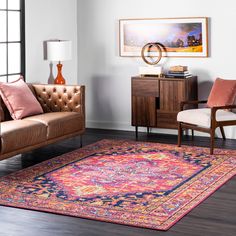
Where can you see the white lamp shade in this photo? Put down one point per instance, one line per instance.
(59, 50)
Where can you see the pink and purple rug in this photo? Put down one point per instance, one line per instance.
(140, 184)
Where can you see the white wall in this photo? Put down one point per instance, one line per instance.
(49, 19)
(107, 76)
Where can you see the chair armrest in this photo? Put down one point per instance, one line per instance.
(216, 108)
(224, 107)
(55, 98)
(183, 103)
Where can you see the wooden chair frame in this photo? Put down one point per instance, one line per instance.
(214, 123)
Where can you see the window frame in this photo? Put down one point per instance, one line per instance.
(21, 41)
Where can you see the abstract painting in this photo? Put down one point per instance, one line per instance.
(181, 37)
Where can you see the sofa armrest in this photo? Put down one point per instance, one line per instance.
(1, 111)
(54, 98)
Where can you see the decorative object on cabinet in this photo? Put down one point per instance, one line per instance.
(148, 57)
(59, 50)
(182, 37)
(156, 101)
(217, 114)
(178, 72)
(178, 68)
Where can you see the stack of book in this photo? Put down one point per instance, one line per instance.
(178, 72)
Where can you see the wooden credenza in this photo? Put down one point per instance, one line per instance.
(156, 101)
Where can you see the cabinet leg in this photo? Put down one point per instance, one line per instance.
(81, 141)
(136, 132)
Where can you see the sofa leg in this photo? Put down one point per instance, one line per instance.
(179, 134)
(81, 141)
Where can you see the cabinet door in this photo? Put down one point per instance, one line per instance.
(145, 92)
(171, 94)
(143, 111)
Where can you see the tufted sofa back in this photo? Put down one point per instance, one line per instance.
(54, 98)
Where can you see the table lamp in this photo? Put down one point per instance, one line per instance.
(59, 50)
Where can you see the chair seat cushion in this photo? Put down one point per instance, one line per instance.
(59, 123)
(202, 117)
(17, 134)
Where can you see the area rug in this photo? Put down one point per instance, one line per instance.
(140, 184)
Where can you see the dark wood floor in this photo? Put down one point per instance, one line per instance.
(215, 216)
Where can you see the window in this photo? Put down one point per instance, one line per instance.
(12, 39)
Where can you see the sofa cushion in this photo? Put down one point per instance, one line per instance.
(59, 123)
(202, 117)
(223, 93)
(17, 134)
(19, 99)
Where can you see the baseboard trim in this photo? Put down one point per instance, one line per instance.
(127, 127)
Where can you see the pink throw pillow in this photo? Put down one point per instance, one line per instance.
(223, 93)
(19, 99)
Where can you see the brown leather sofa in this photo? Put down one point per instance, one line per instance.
(63, 117)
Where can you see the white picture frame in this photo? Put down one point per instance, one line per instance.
(181, 37)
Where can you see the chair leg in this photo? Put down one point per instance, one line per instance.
(179, 134)
(212, 141)
(192, 134)
(222, 132)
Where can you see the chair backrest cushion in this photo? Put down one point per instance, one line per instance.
(223, 93)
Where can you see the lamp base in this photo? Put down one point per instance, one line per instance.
(59, 79)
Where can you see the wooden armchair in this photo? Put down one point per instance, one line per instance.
(205, 120)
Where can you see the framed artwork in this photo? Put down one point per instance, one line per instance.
(180, 37)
